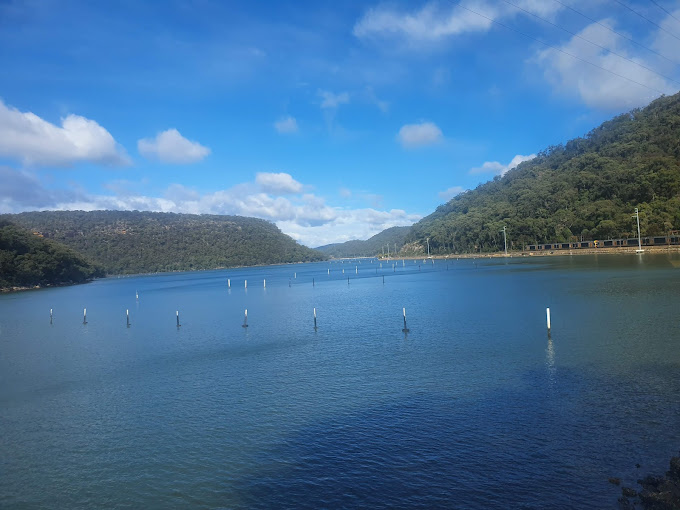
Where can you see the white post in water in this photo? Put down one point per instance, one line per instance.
(245, 320)
(84, 315)
(137, 295)
(547, 316)
(177, 313)
(264, 283)
(50, 316)
(405, 330)
(329, 271)
(127, 317)
(228, 283)
(314, 319)
(356, 269)
(245, 284)
(295, 276)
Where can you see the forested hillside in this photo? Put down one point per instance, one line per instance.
(586, 189)
(27, 260)
(371, 247)
(137, 242)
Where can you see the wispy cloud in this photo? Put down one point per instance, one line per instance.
(32, 140)
(494, 167)
(451, 192)
(419, 135)
(286, 125)
(330, 100)
(607, 86)
(438, 21)
(171, 147)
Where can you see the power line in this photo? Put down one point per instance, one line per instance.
(649, 20)
(591, 42)
(624, 36)
(558, 49)
(664, 10)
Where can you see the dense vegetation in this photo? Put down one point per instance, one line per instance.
(27, 260)
(137, 242)
(371, 247)
(586, 189)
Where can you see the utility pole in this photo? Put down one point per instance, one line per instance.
(637, 217)
(505, 241)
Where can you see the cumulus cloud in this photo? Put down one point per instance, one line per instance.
(34, 141)
(419, 135)
(605, 88)
(330, 100)
(451, 192)
(171, 147)
(348, 225)
(304, 216)
(286, 125)
(438, 21)
(494, 167)
(278, 184)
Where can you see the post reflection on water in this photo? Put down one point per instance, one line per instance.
(550, 361)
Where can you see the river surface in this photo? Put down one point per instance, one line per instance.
(475, 407)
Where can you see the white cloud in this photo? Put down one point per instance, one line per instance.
(329, 100)
(171, 147)
(418, 135)
(451, 192)
(348, 225)
(286, 125)
(33, 141)
(304, 216)
(427, 24)
(664, 42)
(345, 192)
(278, 184)
(494, 167)
(598, 88)
(437, 21)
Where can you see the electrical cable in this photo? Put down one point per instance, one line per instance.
(591, 42)
(624, 36)
(559, 49)
(647, 19)
(664, 10)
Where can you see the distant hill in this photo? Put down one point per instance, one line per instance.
(370, 247)
(587, 188)
(28, 260)
(140, 242)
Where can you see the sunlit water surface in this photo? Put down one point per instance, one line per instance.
(476, 407)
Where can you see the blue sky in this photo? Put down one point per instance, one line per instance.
(335, 120)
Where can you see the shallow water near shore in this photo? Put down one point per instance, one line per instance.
(476, 407)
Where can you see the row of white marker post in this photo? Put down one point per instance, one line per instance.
(245, 319)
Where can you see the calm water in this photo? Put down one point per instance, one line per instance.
(475, 408)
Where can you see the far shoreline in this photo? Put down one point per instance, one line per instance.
(540, 253)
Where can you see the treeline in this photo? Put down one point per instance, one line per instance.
(27, 260)
(126, 242)
(392, 237)
(586, 189)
